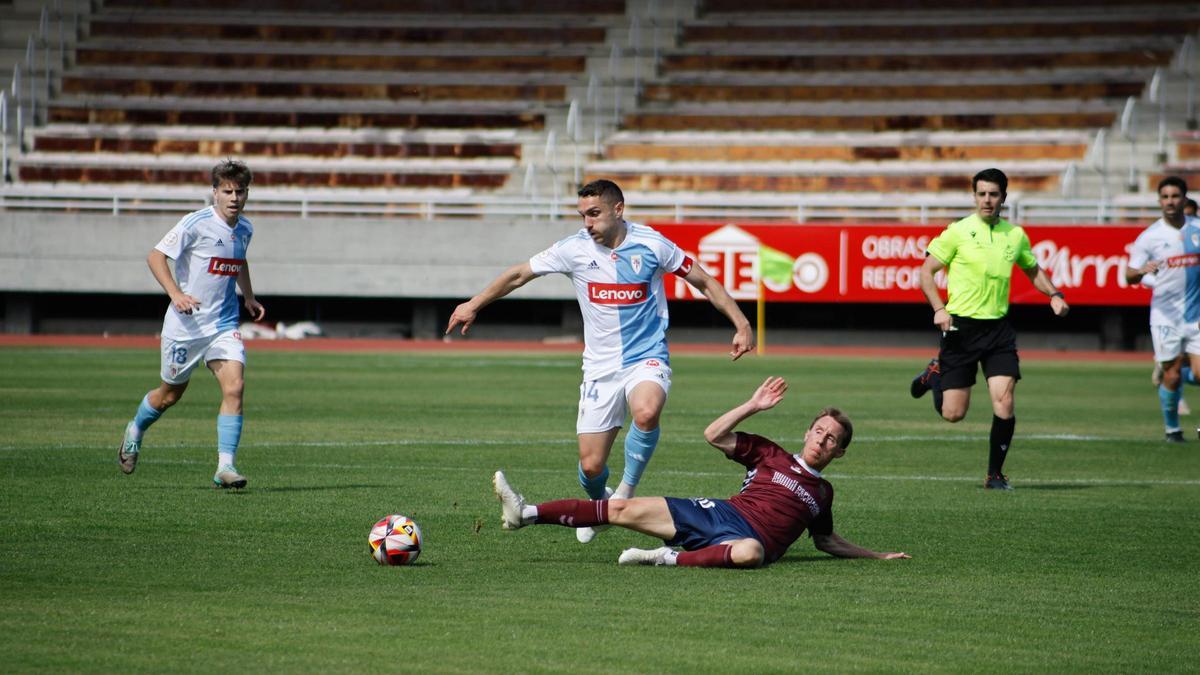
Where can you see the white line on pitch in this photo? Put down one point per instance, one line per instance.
(459, 442)
(1105, 482)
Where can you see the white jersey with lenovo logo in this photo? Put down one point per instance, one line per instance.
(620, 293)
(1164, 243)
(208, 257)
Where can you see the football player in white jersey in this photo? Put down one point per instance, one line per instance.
(1163, 259)
(617, 269)
(208, 248)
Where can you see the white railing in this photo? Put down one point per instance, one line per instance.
(4, 177)
(1186, 63)
(27, 82)
(921, 209)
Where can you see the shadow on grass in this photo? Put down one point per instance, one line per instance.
(318, 488)
(806, 559)
(1058, 486)
(289, 488)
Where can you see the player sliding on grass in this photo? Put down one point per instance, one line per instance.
(783, 495)
(617, 268)
(201, 323)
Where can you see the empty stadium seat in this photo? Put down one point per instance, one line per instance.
(342, 93)
(871, 96)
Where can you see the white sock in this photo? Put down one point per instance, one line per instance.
(623, 491)
(135, 432)
(529, 514)
(224, 459)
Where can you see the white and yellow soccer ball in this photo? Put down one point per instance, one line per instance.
(395, 540)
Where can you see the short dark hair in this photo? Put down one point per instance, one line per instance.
(1192, 203)
(839, 417)
(991, 176)
(605, 190)
(233, 171)
(1172, 180)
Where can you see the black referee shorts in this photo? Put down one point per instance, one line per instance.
(991, 343)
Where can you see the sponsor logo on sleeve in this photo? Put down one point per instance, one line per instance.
(618, 294)
(226, 267)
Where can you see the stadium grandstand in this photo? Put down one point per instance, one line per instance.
(389, 137)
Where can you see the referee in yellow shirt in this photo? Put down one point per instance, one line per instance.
(978, 253)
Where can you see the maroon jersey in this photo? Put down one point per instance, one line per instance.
(780, 497)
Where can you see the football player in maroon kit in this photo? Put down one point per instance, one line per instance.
(782, 496)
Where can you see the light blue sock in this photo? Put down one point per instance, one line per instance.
(1186, 373)
(639, 446)
(594, 487)
(146, 414)
(1169, 400)
(229, 434)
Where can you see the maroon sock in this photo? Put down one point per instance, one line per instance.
(719, 555)
(573, 512)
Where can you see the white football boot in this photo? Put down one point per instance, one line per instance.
(640, 556)
(127, 454)
(228, 477)
(511, 503)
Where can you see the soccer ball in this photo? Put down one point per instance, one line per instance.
(395, 540)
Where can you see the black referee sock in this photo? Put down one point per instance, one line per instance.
(998, 441)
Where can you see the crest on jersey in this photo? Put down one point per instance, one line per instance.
(1195, 239)
(635, 261)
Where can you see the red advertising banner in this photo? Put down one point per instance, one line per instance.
(881, 263)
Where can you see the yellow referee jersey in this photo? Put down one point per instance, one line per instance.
(979, 259)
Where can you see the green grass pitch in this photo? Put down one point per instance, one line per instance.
(1090, 565)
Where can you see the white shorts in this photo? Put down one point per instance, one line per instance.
(1172, 341)
(602, 402)
(180, 357)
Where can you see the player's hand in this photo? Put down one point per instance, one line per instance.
(257, 311)
(769, 393)
(185, 304)
(943, 320)
(894, 556)
(743, 341)
(1059, 305)
(1150, 267)
(463, 315)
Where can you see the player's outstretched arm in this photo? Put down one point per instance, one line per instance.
(743, 336)
(257, 311)
(508, 281)
(182, 302)
(719, 433)
(836, 546)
